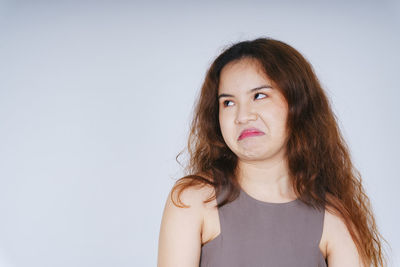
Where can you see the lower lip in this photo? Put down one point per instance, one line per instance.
(250, 135)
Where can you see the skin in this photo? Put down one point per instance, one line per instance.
(262, 172)
(265, 109)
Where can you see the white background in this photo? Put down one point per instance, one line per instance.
(96, 99)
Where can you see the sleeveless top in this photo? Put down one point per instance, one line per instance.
(255, 233)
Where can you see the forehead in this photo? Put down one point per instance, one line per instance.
(243, 74)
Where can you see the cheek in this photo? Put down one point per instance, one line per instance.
(222, 124)
(275, 117)
(225, 126)
(279, 120)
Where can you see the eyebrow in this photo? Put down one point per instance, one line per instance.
(250, 91)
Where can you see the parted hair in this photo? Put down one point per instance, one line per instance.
(319, 162)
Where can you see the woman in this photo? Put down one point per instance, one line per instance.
(270, 181)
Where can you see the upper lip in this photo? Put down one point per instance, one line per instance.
(252, 129)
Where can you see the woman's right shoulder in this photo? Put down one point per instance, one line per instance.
(181, 227)
(188, 192)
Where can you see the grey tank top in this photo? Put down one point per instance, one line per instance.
(255, 233)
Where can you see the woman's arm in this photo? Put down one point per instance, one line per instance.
(180, 231)
(341, 249)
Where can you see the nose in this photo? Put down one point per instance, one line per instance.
(244, 114)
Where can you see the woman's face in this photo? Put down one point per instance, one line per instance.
(249, 100)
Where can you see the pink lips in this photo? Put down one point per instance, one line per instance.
(250, 132)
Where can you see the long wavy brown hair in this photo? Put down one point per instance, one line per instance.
(319, 162)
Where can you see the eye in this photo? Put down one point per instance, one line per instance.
(264, 95)
(225, 103)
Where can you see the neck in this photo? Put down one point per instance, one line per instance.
(266, 180)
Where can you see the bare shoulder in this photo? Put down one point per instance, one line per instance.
(188, 203)
(194, 195)
(181, 227)
(340, 247)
